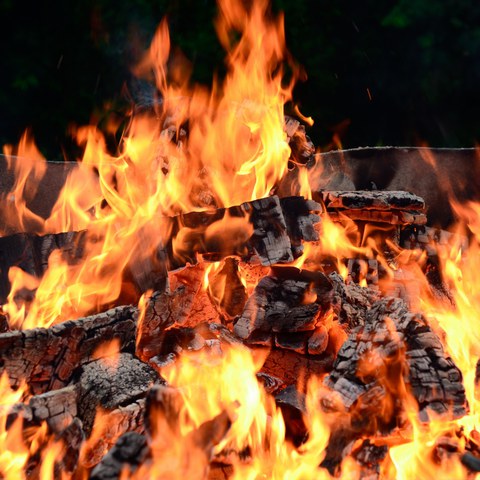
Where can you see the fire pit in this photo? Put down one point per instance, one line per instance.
(217, 299)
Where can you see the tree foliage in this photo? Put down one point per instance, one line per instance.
(397, 72)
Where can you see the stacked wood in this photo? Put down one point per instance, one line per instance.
(392, 349)
(377, 206)
(46, 358)
(263, 230)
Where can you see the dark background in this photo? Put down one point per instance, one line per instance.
(403, 72)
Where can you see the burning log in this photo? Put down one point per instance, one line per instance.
(392, 207)
(288, 300)
(212, 336)
(269, 229)
(109, 383)
(373, 359)
(47, 358)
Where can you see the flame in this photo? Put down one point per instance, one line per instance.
(17, 443)
(208, 385)
(236, 150)
(28, 166)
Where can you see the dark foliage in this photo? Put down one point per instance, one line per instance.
(397, 72)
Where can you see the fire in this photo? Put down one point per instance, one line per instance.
(131, 204)
(237, 150)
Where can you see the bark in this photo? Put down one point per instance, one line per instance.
(46, 358)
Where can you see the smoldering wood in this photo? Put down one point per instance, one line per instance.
(373, 358)
(58, 408)
(269, 240)
(302, 148)
(369, 457)
(130, 451)
(110, 383)
(270, 383)
(129, 418)
(293, 407)
(301, 218)
(46, 358)
(167, 307)
(288, 300)
(351, 302)
(373, 199)
(72, 438)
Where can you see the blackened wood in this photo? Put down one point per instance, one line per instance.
(110, 383)
(351, 302)
(130, 451)
(47, 357)
(395, 347)
(128, 418)
(373, 199)
(301, 217)
(288, 300)
(204, 336)
(72, 438)
(270, 383)
(163, 408)
(293, 407)
(166, 308)
(57, 407)
(300, 144)
(193, 233)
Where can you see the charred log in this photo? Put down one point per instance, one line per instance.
(111, 383)
(259, 229)
(288, 300)
(47, 357)
(373, 199)
(393, 349)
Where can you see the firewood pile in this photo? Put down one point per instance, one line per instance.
(374, 348)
